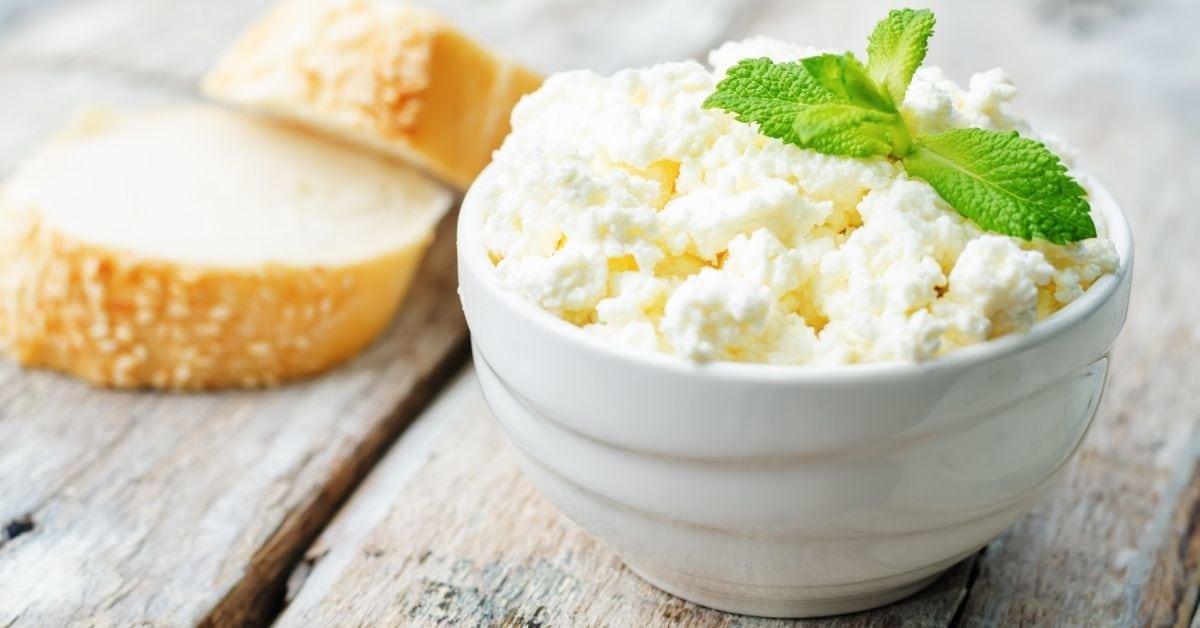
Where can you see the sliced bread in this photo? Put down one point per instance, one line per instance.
(190, 248)
(386, 75)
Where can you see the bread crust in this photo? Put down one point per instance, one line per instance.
(118, 319)
(388, 76)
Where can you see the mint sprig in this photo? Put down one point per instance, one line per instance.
(897, 48)
(835, 105)
(788, 102)
(1005, 183)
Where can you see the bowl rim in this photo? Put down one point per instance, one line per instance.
(1115, 226)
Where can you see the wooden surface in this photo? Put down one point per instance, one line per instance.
(177, 509)
(447, 531)
(120, 508)
(174, 510)
(465, 540)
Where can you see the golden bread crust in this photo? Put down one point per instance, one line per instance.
(119, 319)
(389, 76)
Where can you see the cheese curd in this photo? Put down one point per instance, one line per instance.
(624, 207)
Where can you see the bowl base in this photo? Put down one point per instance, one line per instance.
(791, 603)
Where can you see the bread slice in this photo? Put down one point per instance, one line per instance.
(388, 76)
(191, 248)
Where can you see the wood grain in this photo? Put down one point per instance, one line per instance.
(120, 509)
(1123, 518)
(183, 509)
(190, 509)
(149, 40)
(457, 536)
(1115, 543)
(466, 541)
(180, 509)
(179, 39)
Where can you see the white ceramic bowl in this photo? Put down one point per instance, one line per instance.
(790, 491)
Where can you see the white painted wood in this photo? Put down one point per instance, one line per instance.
(1116, 542)
(177, 510)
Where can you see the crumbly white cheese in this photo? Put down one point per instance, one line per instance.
(624, 207)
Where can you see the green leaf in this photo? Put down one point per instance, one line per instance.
(896, 49)
(789, 103)
(847, 79)
(1004, 183)
(832, 104)
(843, 129)
(767, 93)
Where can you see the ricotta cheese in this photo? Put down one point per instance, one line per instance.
(621, 205)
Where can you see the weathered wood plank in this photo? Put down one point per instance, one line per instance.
(1116, 543)
(464, 539)
(38, 100)
(127, 507)
(188, 509)
(1117, 538)
(158, 41)
(174, 509)
(179, 39)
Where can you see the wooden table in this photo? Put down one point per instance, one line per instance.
(350, 499)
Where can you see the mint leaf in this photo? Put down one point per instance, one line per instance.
(896, 49)
(847, 79)
(1004, 183)
(836, 114)
(831, 103)
(843, 129)
(767, 93)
